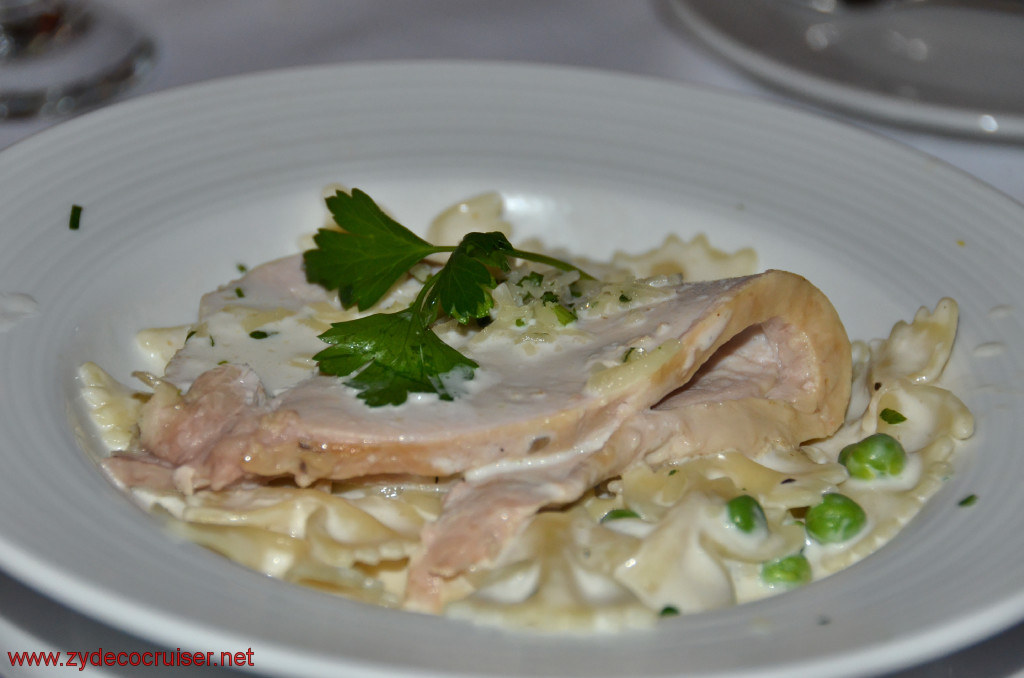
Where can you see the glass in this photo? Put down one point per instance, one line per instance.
(62, 56)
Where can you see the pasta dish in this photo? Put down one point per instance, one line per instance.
(525, 438)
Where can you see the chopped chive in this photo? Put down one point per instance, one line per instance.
(669, 611)
(619, 514)
(261, 334)
(222, 362)
(76, 217)
(191, 333)
(969, 500)
(891, 416)
(520, 322)
(242, 268)
(624, 299)
(564, 315)
(534, 277)
(212, 343)
(549, 298)
(673, 472)
(239, 293)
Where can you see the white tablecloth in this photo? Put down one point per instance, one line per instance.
(203, 39)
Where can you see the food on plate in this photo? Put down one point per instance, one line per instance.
(517, 438)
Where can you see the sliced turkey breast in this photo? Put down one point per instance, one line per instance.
(566, 399)
(747, 364)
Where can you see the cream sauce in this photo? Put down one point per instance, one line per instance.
(508, 387)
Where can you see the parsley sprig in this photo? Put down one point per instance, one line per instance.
(394, 354)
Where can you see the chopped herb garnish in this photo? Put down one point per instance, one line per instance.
(969, 500)
(534, 277)
(261, 334)
(624, 299)
(619, 514)
(242, 268)
(564, 315)
(191, 333)
(394, 354)
(562, 312)
(669, 611)
(76, 217)
(212, 343)
(222, 362)
(891, 416)
(520, 322)
(239, 292)
(674, 471)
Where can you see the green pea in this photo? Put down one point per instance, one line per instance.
(787, 571)
(836, 519)
(746, 514)
(877, 456)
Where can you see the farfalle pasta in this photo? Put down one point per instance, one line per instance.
(663, 436)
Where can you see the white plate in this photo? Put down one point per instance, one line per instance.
(179, 187)
(941, 66)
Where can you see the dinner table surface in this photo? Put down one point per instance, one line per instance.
(199, 40)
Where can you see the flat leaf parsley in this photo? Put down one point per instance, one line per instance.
(394, 354)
